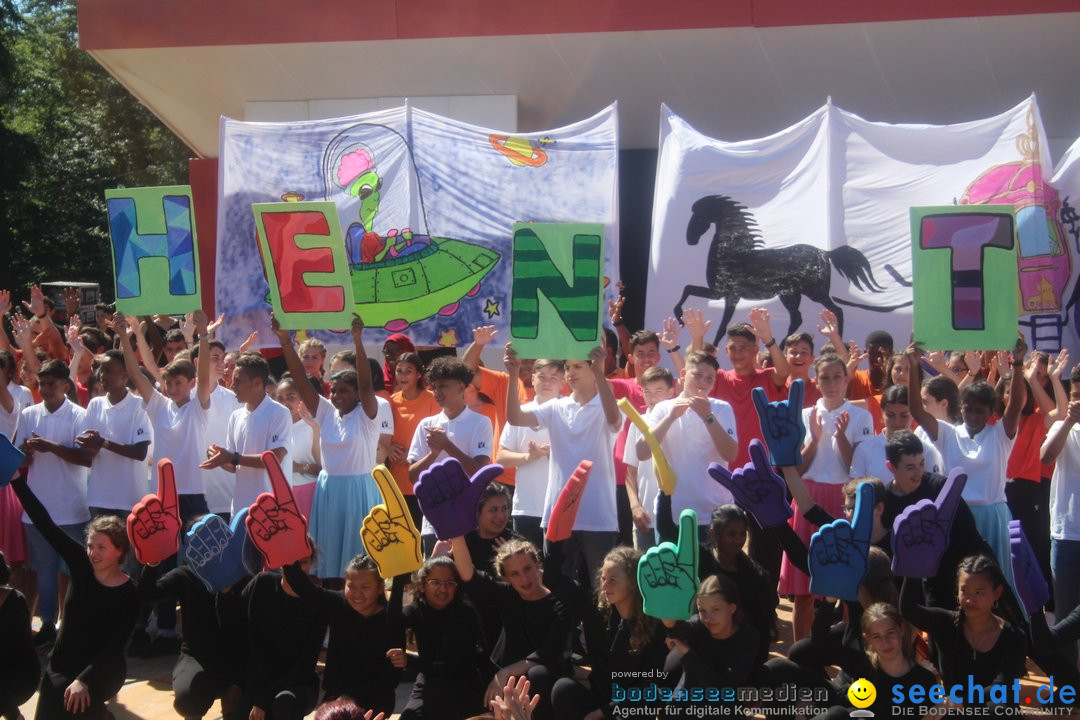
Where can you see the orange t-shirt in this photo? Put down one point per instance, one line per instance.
(493, 384)
(407, 415)
(860, 387)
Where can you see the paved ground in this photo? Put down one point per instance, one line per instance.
(148, 690)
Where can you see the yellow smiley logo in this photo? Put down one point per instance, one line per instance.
(862, 693)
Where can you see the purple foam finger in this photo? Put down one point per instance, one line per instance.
(448, 497)
(919, 540)
(1028, 578)
(948, 500)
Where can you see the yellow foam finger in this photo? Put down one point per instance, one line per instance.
(665, 474)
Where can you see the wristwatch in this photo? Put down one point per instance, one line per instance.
(710, 419)
(235, 460)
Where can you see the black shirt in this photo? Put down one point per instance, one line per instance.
(203, 639)
(535, 629)
(98, 620)
(356, 662)
(716, 663)
(285, 636)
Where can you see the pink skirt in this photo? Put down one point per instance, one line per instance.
(12, 536)
(829, 498)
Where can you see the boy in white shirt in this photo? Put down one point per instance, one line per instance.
(582, 426)
(529, 450)
(117, 435)
(178, 420)
(642, 488)
(261, 424)
(178, 416)
(220, 484)
(456, 432)
(57, 475)
(694, 440)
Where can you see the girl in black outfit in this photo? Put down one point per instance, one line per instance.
(207, 668)
(715, 649)
(448, 635)
(625, 646)
(727, 532)
(889, 661)
(972, 640)
(535, 623)
(86, 666)
(361, 633)
(20, 669)
(285, 635)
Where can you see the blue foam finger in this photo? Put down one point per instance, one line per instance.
(11, 459)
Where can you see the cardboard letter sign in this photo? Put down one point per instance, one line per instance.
(965, 278)
(307, 270)
(556, 307)
(155, 250)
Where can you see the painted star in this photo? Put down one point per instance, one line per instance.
(448, 338)
(491, 307)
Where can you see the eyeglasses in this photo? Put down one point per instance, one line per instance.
(442, 584)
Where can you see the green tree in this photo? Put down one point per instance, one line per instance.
(76, 132)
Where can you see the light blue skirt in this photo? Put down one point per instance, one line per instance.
(337, 513)
(992, 522)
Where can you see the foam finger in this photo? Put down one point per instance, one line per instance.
(388, 488)
(167, 485)
(278, 484)
(948, 500)
(862, 520)
(796, 393)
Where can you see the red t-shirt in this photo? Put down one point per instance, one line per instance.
(735, 390)
(1024, 459)
(629, 389)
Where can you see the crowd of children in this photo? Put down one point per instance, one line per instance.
(503, 619)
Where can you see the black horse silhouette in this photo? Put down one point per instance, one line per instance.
(738, 267)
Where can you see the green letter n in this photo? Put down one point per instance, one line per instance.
(534, 272)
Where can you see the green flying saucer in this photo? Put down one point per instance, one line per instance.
(396, 292)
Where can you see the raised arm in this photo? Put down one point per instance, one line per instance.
(514, 414)
(146, 355)
(1061, 395)
(759, 321)
(830, 329)
(669, 340)
(363, 370)
(926, 421)
(597, 356)
(1055, 441)
(24, 338)
(308, 395)
(142, 384)
(204, 386)
(798, 489)
(482, 337)
(1010, 419)
(697, 326)
(462, 558)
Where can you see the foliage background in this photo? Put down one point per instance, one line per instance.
(68, 132)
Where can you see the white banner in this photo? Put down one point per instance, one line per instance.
(456, 188)
(817, 216)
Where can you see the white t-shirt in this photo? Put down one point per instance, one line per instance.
(21, 393)
(827, 467)
(180, 435)
(9, 421)
(690, 450)
(470, 431)
(300, 452)
(983, 457)
(220, 483)
(1065, 488)
(253, 432)
(349, 442)
(648, 489)
(581, 432)
(117, 482)
(385, 416)
(869, 459)
(532, 477)
(58, 484)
